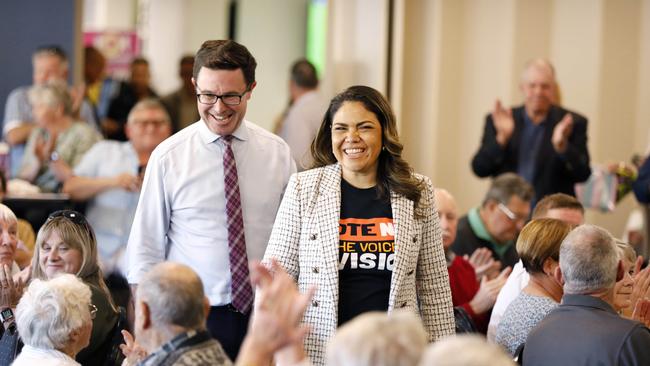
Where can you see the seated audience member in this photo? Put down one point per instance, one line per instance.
(58, 143)
(171, 308)
(585, 329)
(100, 88)
(558, 206)
(541, 141)
(54, 318)
(50, 64)
(476, 298)
(25, 234)
(496, 224)
(465, 350)
(181, 104)
(109, 176)
(623, 291)
(538, 247)
(66, 244)
(378, 339)
(136, 89)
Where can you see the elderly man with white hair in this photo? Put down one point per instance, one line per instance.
(585, 329)
(54, 320)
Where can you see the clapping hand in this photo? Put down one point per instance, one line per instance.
(483, 263)
(561, 134)
(503, 123)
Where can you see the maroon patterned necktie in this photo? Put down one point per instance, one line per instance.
(241, 290)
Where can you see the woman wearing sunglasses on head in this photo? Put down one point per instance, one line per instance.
(66, 244)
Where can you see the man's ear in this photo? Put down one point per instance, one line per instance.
(145, 314)
(194, 82)
(206, 307)
(620, 270)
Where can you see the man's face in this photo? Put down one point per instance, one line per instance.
(568, 215)
(48, 68)
(505, 221)
(147, 129)
(140, 76)
(538, 88)
(448, 214)
(220, 118)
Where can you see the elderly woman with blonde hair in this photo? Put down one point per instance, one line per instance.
(538, 247)
(54, 319)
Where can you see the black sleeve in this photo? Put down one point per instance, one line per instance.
(577, 156)
(490, 157)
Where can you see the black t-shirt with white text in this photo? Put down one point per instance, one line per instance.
(366, 252)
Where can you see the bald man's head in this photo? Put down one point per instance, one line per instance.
(448, 214)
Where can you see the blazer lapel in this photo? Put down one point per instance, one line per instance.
(327, 211)
(403, 219)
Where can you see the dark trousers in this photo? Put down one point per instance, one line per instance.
(229, 327)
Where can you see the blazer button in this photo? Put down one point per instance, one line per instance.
(312, 237)
(315, 269)
(314, 303)
(415, 239)
(410, 273)
(404, 304)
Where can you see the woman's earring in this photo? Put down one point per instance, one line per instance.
(383, 148)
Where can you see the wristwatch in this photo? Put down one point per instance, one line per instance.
(8, 320)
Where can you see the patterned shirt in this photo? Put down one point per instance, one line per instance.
(189, 349)
(523, 314)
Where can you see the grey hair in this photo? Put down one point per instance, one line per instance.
(174, 294)
(7, 215)
(378, 339)
(540, 64)
(51, 51)
(588, 260)
(147, 104)
(506, 185)
(52, 94)
(50, 311)
(465, 350)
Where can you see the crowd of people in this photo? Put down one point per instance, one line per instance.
(207, 240)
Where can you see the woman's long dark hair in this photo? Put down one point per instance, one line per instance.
(393, 172)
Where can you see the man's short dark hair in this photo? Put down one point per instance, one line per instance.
(225, 55)
(556, 200)
(303, 74)
(505, 186)
(139, 61)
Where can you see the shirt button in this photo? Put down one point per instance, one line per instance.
(312, 237)
(410, 273)
(415, 239)
(315, 269)
(404, 304)
(314, 303)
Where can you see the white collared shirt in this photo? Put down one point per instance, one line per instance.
(181, 214)
(30, 356)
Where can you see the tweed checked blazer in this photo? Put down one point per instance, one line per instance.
(305, 240)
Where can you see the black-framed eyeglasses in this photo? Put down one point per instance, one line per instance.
(93, 311)
(71, 215)
(227, 99)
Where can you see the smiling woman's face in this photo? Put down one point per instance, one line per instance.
(58, 257)
(356, 140)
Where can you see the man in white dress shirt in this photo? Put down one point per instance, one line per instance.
(181, 214)
(557, 206)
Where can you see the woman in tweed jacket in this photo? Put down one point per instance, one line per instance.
(322, 237)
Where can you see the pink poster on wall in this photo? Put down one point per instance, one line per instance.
(119, 48)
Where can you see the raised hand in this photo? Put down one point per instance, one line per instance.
(128, 182)
(503, 123)
(488, 291)
(483, 263)
(10, 291)
(561, 133)
(131, 350)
